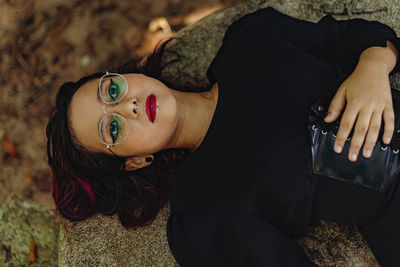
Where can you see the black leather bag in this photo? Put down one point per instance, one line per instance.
(377, 172)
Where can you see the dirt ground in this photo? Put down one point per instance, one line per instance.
(48, 42)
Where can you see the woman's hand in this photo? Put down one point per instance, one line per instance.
(367, 95)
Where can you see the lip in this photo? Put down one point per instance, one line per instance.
(151, 107)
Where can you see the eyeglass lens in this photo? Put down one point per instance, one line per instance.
(113, 88)
(113, 128)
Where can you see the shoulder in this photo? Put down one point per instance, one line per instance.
(249, 18)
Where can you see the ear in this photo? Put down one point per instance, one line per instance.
(134, 163)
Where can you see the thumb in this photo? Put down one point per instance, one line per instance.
(336, 106)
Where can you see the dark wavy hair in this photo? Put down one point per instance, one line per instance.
(86, 183)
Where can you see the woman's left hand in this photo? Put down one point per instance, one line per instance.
(367, 94)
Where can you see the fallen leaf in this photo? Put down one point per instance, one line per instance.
(159, 24)
(32, 252)
(61, 48)
(61, 22)
(42, 182)
(28, 178)
(89, 44)
(10, 148)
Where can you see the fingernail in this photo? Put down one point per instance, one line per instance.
(338, 148)
(387, 139)
(328, 116)
(353, 156)
(368, 152)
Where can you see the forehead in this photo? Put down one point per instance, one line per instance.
(83, 114)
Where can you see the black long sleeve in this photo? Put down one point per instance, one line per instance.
(208, 238)
(240, 198)
(339, 42)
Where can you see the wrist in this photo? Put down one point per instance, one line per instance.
(374, 64)
(379, 57)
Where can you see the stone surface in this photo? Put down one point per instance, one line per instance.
(198, 43)
(21, 223)
(101, 241)
(332, 244)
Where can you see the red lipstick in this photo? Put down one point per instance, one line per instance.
(151, 107)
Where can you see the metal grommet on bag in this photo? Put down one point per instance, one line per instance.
(348, 139)
(313, 128)
(334, 135)
(320, 108)
(324, 133)
(395, 151)
(384, 148)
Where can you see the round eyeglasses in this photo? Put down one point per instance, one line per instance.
(113, 128)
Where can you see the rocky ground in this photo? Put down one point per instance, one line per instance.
(45, 43)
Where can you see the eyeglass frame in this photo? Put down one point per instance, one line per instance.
(113, 114)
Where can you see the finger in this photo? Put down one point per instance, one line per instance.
(388, 117)
(373, 133)
(345, 127)
(336, 106)
(360, 131)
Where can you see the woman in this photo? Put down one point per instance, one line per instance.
(238, 154)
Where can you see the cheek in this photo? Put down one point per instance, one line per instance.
(141, 137)
(149, 136)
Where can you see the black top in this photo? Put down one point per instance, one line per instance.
(240, 197)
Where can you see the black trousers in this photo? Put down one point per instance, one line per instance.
(383, 234)
(377, 214)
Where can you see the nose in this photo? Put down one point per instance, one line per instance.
(127, 108)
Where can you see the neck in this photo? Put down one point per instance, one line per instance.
(195, 112)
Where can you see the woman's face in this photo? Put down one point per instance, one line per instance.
(144, 137)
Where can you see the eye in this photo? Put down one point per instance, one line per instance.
(114, 126)
(113, 90)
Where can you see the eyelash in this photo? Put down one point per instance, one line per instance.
(116, 131)
(109, 87)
